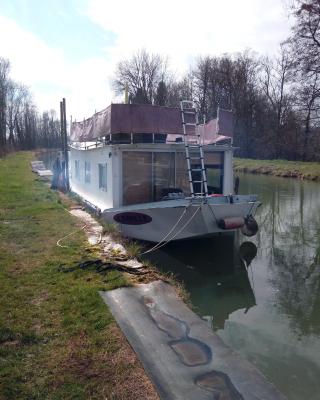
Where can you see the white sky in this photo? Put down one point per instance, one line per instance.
(181, 30)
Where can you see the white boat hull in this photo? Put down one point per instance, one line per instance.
(179, 219)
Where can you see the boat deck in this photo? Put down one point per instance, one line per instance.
(185, 202)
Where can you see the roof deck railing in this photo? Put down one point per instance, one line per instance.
(137, 138)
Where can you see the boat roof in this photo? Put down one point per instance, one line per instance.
(149, 120)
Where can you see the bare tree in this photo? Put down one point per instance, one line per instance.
(276, 78)
(21, 126)
(15, 95)
(4, 72)
(247, 104)
(26, 124)
(178, 90)
(307, 108)
(305, 39)
(305, 50)
(49, 130)
(142, 73)
(203, 77)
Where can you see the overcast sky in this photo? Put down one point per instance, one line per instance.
(69, 48)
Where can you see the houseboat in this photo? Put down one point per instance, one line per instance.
(159, 174)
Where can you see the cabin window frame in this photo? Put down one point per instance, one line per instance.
(87, 172)
(215, 167)
(103, 177)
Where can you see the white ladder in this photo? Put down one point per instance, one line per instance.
(194, 150)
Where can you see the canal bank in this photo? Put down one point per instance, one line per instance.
(283, 168)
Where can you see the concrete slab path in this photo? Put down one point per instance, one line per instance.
(180, 353)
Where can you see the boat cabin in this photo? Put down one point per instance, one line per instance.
(133, 154)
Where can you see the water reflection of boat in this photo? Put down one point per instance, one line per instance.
(213, 274)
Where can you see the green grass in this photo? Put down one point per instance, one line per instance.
(292, 169)
(57, 337)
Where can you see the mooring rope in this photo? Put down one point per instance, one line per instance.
(214, 216)
(184, 226)
(170, 231)
(163, 242)
(70, 234)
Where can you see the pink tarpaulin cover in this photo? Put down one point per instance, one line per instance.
(141, 118)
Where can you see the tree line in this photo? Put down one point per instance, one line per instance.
(275, 101)
(21, 125)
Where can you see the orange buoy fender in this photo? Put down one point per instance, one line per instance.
(231, 223)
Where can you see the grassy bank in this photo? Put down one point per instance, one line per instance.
(57, 338)
(291, 169)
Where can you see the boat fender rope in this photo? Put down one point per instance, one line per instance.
(214, 216)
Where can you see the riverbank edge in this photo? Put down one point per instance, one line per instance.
(281, 168)
(132, 250)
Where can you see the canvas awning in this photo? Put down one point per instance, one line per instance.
(147, 119)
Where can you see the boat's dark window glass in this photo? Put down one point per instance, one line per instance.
(163, 174)
(182, 181)
(137, 177)
(214, 170)
(102, 176)
(87, 172)
(77, 169)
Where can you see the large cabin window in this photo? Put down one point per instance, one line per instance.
(163, 174)
(150, 176)
(87, 172)
(147, 176)
(102, 176)
(214, 169)
(137, 177)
